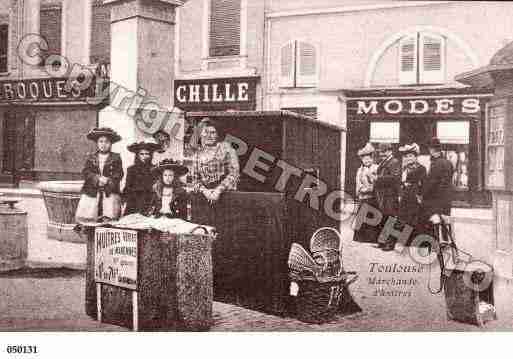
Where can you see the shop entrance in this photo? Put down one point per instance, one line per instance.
(18, 147)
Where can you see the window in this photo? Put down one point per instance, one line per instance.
(384, 132)
(51, 26)
(100, 33)
(224, 28)
(298, 65)
(455, 138)
(421, 59)
(4, 47)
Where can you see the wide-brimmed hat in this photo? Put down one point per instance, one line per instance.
(409, 148)
(434, 143)
(169, 164)
(148, 144)
(384, 146)
(368, 149)
(98, 132)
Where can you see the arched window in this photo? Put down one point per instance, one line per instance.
(299, 64)
(422, 59)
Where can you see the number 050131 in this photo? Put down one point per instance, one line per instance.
(21, 349)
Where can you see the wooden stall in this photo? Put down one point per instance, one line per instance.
(258, 223)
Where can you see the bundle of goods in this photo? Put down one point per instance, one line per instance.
(467, 283)
(319, 282)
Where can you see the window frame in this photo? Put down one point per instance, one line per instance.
(297, 80)
(7, 52)
(46, 7)
(209, 31)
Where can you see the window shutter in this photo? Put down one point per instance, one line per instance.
(408, 60)
(51, 27)
(224, 28)
(100, 33)
(432, 59)
(287, 62)
(306, 64)
(4, 45)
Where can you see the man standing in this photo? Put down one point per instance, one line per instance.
(387, 187)
(437, 187)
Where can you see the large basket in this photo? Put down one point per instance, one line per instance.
(326, 239)
(319, 302)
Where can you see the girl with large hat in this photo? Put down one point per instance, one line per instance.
(138, 190)
(103, 171)
(169, 197)
(410, 193)
(365, 178)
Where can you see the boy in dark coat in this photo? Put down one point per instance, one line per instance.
(387, 187)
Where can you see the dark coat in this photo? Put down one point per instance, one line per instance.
(387, 186)
(438, 189)
(178, 205)
(138, 191)
(113, 169)
(410, 209)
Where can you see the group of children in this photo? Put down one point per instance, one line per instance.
(149, 190)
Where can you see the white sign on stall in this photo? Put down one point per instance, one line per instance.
(115, 260)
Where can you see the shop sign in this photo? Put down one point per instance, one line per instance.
(417, 106)
(44, 90)
(115, 260)
(216, 94)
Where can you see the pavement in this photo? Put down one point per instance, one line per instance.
(48, 293)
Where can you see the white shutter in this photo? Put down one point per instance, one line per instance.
(408, 60)
(287, 62)
(432, 64)
(307, 65)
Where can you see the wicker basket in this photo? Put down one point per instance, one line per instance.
(319, 302)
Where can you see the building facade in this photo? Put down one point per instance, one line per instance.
(42, 121)
(385, 70)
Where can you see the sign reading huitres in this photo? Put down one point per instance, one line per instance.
(115, 260)
(238, 93)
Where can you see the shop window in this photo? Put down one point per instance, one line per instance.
(455, 138)
(50, 27)
(100, 33)
(224, 28)
(384, 132)
(4, 47)
(421, 59)
(299, 64)
(18, 145)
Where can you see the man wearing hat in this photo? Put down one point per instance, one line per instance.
(387, 187)
(437, 189)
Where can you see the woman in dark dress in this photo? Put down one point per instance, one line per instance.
(169, 197)
(138, 190)
(410, 194)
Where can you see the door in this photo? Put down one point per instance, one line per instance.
(18, 146)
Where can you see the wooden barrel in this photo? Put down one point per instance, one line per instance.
(61, 201)
(13, 238)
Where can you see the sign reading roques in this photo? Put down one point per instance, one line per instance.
(115, 260)
(417, 106)
(216, 94)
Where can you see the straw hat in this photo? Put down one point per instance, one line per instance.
(409, 148)
(98, 132)
(149, 144)
(368, 149)
(169, 164)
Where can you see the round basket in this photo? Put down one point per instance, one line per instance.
(318, 302)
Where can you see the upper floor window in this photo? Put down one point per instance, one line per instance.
(298, 64)
(4, 47)
(224, 39)
(422, 59)
(100, 33)
(50, 27)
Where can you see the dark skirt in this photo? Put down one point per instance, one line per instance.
(367, 233)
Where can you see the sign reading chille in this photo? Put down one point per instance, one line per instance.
(216, 94)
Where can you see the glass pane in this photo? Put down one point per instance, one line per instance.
(455, 132)
(458, 155)
(384, 132)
